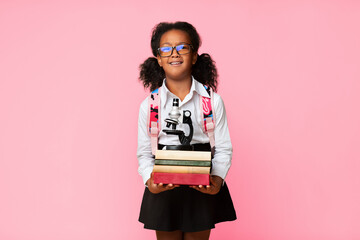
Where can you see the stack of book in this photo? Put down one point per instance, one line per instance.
(182, 167)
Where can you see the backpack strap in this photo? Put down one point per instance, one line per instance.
(208, 125)
(153, 123)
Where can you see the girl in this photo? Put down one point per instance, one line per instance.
(183, 212)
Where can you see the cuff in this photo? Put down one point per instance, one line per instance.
(146, 175)
(220, 171)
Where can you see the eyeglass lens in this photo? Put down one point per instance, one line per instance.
(181, 49)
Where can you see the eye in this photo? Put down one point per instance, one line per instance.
(180, 47)
(165, 49)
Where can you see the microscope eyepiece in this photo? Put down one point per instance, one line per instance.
(175, 102)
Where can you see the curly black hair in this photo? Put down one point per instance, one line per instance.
(204, 70)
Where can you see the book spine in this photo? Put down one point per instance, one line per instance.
(183, 163)
(183, 155)
(181, 169)
(181, 178)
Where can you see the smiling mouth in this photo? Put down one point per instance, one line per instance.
(176, 63)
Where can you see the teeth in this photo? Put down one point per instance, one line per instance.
(175, 63)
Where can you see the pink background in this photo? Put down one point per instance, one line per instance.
(69, 98)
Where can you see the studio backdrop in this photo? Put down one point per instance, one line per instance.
(70, 96)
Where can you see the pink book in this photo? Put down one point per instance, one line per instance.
(182, 178)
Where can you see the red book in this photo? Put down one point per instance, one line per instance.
(182, 178)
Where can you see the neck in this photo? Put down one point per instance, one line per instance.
(179, 88)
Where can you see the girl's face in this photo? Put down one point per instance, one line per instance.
(177, 66)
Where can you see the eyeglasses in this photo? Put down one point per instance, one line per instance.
(181, 49)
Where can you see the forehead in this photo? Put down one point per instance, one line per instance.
(175, 36)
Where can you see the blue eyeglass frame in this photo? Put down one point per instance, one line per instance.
(175, 47)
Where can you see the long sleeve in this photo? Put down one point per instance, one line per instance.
(145, 158)
(223, 147)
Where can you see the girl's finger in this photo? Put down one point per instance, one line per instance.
(175, 186)
(201, 189)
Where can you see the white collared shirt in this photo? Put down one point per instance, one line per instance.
(223, 147)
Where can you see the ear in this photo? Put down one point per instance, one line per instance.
(159, 60)
(194, 58)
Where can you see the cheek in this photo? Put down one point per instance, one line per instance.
(194, 59)
(159, 61)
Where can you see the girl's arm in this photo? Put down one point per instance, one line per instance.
(145, 158)
(223, 147)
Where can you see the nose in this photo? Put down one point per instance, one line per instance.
(174, 52)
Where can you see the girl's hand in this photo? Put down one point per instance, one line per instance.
(213, 188)
(158, 188)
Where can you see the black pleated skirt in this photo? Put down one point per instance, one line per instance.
(186, 209)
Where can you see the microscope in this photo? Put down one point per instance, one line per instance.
(173, 121)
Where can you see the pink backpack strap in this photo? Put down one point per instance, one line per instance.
(153, 123)
(208, 125)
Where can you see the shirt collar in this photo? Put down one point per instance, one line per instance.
(195, 86)
(200, 89)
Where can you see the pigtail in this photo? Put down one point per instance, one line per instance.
(204, 71)
(151, 74)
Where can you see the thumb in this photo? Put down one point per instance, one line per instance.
(152, 179)
(212, 181)
(215, 180)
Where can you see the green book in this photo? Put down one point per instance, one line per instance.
(183, 163)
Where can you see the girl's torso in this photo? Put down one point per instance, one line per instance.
(191, 103)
